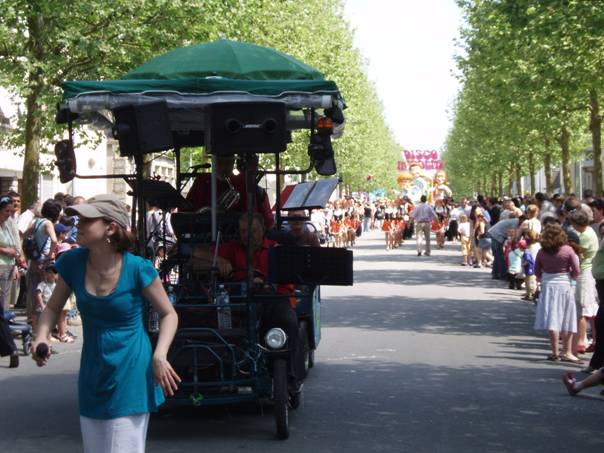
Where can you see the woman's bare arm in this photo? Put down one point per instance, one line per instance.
(162, 370)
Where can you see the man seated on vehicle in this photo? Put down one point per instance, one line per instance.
(232, 264)
(298, 234)
(200, 194)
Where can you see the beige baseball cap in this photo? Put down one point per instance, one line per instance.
(106, 206)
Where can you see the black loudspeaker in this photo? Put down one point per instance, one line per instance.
(66, 161)
(246, 128)
(310, 266)
(187, 139)
(143, 128)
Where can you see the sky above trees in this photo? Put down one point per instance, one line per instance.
(409, 48)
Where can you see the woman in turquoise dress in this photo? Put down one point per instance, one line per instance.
(121, 379)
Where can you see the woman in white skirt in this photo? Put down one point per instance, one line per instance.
(587, 304)
(556, 265)
(121, 379)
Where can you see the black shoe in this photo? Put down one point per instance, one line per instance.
(419, 253)
(14, 360)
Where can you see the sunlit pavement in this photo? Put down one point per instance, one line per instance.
(421, 354)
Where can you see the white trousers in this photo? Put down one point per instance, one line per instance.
(422, 231)
(116, 435)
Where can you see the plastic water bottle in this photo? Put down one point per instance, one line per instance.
(153, 320)
(224, 311)
(171, 295)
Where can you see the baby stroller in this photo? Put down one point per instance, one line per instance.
(20, 329)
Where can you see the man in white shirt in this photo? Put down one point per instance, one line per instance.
(423, 215)
(26, 218)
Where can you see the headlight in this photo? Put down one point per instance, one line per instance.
(275, 338)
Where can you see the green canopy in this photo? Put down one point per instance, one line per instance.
(71, 89)
(228, 59)
(191, 78)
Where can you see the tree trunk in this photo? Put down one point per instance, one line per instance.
(500, 183)
(31, 160)
(531, 165)
(595, 126)
(511, 180)
(493, 184)
(517, 173)
(547, 166)
(564, 142)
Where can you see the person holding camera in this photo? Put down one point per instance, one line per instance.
(121, 379)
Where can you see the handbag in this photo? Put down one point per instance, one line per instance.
(484, 242)
(30, 246)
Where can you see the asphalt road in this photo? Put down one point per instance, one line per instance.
(421, 354)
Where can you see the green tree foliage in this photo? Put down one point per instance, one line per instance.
(532, 76)
(43, 42)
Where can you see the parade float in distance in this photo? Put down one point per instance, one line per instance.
(421, 172)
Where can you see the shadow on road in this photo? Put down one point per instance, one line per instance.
(446, 316)
(410, 276)
(402, 408)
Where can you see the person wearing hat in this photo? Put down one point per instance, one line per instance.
(121, 380)
(61, 231)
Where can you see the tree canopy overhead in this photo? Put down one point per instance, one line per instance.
(532, 80)
(43, 42)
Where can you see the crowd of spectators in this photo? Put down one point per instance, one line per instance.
(31, 239)
(551, 249)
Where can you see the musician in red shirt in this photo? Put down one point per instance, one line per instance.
(201, 191)
(232, 264)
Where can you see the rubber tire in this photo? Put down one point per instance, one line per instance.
(304, 347)
(295, 400)
(311, 358)
(281, 398)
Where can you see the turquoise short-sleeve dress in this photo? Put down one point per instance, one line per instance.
(116, 374)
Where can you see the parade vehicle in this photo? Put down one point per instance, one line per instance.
(238, 101)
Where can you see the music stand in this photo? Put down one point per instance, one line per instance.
(310, 195)
(162, 195)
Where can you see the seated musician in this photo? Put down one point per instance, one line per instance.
(201, 191)
(232, 263)
(298, 234)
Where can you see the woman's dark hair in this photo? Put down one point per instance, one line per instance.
(51, 210)
(550, 221)
(597, 204)
(5, 201)
(552, 238)
(122, 240)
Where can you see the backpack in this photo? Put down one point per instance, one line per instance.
(30, 246)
